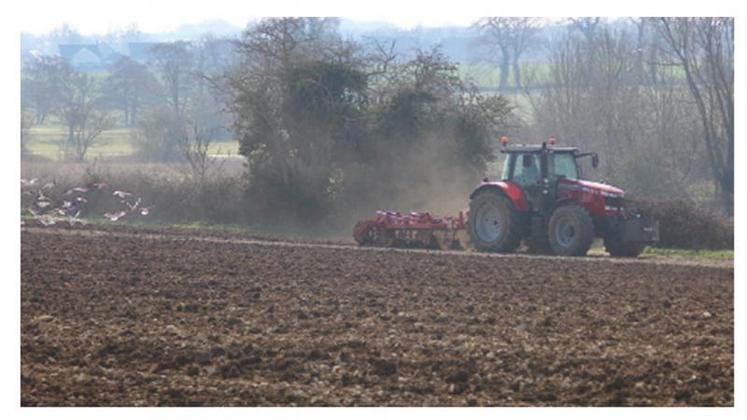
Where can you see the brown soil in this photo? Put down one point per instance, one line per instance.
(118, 318)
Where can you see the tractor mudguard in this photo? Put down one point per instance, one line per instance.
(507, 188)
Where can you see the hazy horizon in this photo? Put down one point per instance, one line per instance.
(101, 27)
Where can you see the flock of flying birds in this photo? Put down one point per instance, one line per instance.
(69, 207)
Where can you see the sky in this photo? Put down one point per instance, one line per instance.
(162, 16)
(101, 16)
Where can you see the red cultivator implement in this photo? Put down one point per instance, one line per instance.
(416, 230)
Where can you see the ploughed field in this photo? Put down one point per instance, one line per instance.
(127, 318)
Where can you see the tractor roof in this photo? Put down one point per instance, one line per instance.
(535, 148)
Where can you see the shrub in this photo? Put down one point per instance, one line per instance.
(684, 225)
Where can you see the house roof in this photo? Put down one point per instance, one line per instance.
(68, 51)
(101, 50)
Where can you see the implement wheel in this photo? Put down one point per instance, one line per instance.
(363, 233)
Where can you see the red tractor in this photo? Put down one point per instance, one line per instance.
(540, 199)
(543, 200)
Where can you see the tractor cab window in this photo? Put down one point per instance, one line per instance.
(506, 173)
(526, 169)
(563, 164)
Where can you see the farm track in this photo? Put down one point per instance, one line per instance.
(121, 316)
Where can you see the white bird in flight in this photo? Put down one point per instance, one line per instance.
(115, 216)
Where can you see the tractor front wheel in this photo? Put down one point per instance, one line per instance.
(570, 231)
(617, 248)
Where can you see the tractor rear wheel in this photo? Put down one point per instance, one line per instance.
(494, 224)
(570, 231)
(617, 248)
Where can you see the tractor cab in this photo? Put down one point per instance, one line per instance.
(537, 169)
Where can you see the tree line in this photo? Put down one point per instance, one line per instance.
(332, 124)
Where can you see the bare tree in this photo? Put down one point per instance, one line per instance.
(281, 39)
(43, 85)
(82, 114)
(199, 127)
(704, 49)
(381, 58)
(27, 121)
(588, 26)
(128, 87)
(194, 144)
(213, 55)
(647, 50)
(512, 36)
(174, 63)
(595, 97)
(603, 94)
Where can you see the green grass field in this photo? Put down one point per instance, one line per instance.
(488, 75)
(47, 140)
(657, 252)
(718, 254)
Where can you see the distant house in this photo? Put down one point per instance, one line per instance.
(89, 57)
